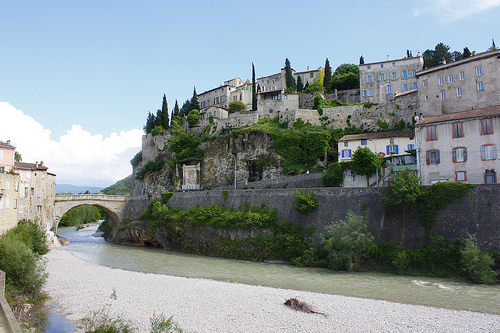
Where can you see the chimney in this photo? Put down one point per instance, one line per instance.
(308, 68)
(41, 163)
(388, 57)
(419, 54)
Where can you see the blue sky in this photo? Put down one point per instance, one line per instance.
(89, 71)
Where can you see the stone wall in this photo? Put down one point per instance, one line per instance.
(476, 214)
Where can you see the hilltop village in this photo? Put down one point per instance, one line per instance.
(444, 119)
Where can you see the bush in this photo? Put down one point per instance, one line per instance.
(160, 324)
(24, 269)
(165, 197)
(477, 265)
(31, 234)
(157, 130)
(306, 202)
(334, 175)
(347, 243)
(236, 106)
(193, 117)
(136, 159)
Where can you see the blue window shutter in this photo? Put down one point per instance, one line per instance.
(465, 154)
(343, 154)
(350, 153)
(428, 157)
(388, 150)
(438, 157)
(482, 152)
(397, 149)
(454, 155)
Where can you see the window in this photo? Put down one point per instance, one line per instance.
(392, 149)
(14, 204)
(479, 70)
(369, 78)
(370, 92)
(443, 94)
(381, 65)
(413, 72)
(486, 127)
(411, 146)
(364, 142)
(462, 75)
(459, 91)
(405, 87)
(389, 89)
(488, 152)
(346, 144)
(404, 74)
(426, 98)
(26, 191)
(364, 93)
(459, 154)
(441, 81)
(369, 67)
(490, 177)
(458, 130)
(450, 78)
(425, 84)
(1, 203)
(381, 77)
(394, 75)
(346, 153)
(7, 185)
(480, 86)
(7, 203)
(17, 187)
(391, 141)
(432, 156)
(431, 133)
(394, 64)
(415, 86)
(460, 176)
(28, 174)
(311, 75)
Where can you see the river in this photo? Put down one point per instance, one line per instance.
(457, 294)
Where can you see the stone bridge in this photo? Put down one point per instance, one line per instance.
(114, 205)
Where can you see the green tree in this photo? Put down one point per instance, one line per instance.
(165, 122)
(236, 106)
(477, 265)
(300, 85)
(185, 108)
(194, 104)
(254, 90)
(289, 79)
(150, 123)
(466, 53)
(365, 163)
(328, 76)
(347, 242)
(347, 68)
(193, 117)
(175, 112)
(437, 56)
(493, 46)
(17, 157)
(344, 81)
(333, 176)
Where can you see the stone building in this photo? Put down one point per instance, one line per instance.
(27, 191)
(223, 95)
(470, 83)
(459, 146)
(380, 81)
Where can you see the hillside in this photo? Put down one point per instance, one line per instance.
(121, 187)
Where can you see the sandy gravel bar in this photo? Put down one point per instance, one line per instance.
(200, 305)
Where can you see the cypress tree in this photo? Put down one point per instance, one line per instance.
(175, 113)
(328, 76)
(466, 53)
(164, 113)
(300, 85)
(289, 80)
(185, 108)
(361, 60)
(194, 105)
(254, 91)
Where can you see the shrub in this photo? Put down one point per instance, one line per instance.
(306, 202)
(136, 159)
(151, 166)
(236, 106)
(160, 324)
(165, 197)
(225, 195)
(31, 234)
(347, 243)
(477, 265)
(24, 269)
(157, 130)
(193, 117)
(334, 175)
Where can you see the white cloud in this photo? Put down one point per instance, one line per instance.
(454, 10)
(78, 158)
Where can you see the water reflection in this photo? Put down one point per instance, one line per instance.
(407, 289)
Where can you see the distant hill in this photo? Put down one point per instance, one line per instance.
(74, 189)
(121, 187)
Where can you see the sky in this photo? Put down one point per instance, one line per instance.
(78, 78)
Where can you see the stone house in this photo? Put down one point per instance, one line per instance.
(470, 83)
(213, 112)
(27, 191)
(459, 146)
(380, 81)
(220, 96)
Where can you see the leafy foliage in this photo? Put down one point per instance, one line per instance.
(136, 159)
(80, 215)
(477, 265)
(166, 196)
(365, 162)
(157, 130)
(404, 189)
(289, 80)
(121, 187)
(347, 243)
(236, 106)
(344, 82)
(334, 175)
(184, 144)
(306, 202)
(193, 117)
(151, 166)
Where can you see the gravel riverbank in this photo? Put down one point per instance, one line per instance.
(200, 305)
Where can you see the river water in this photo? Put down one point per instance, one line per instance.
(439, 292)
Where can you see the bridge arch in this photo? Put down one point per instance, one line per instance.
(114, 205)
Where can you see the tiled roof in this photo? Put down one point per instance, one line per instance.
(6, 145)
(409, 133)
(29, 166)
(491, 111)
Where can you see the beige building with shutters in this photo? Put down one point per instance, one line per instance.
(459, 147)
(379, 82)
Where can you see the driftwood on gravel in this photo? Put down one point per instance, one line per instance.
(301, 306)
